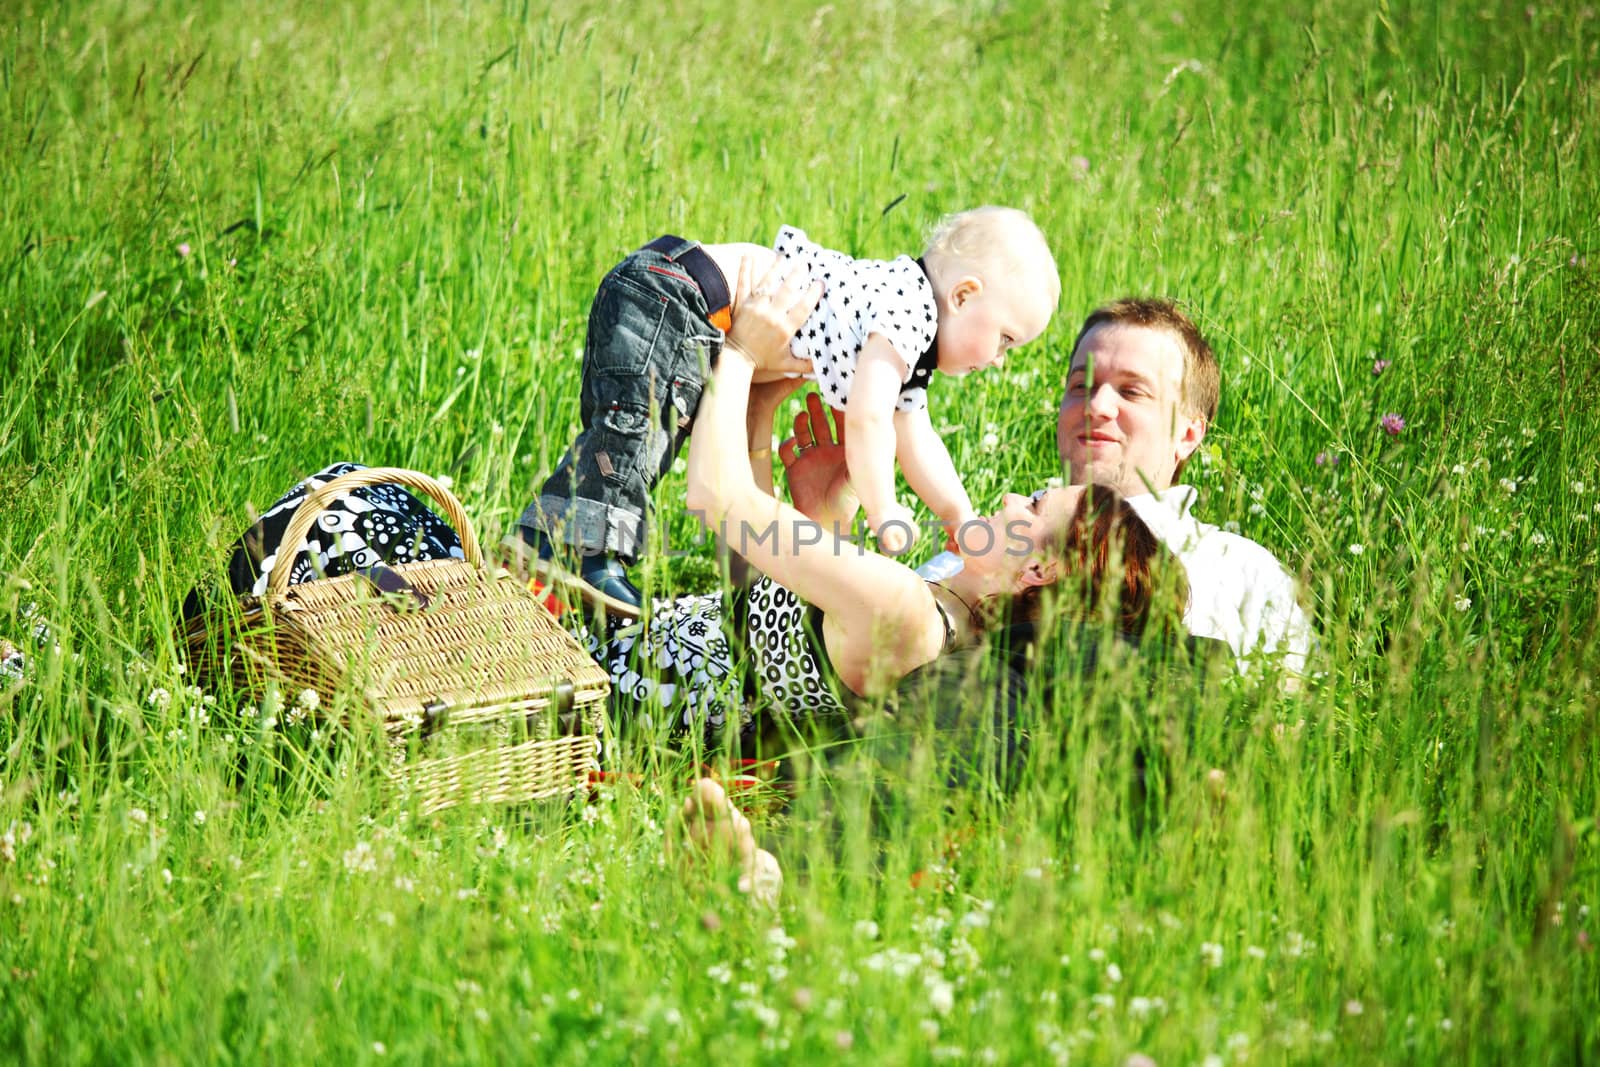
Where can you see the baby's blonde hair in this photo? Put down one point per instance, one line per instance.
(1001, 242)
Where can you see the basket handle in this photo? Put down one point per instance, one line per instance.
(311, 507)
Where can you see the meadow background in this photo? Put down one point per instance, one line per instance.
(240, 241)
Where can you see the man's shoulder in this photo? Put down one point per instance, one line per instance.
(1172, 516)
(1241, 549)
(1239, 590)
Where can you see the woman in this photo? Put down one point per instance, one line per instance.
(828, 621)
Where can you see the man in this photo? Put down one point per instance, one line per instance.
(1142, 391)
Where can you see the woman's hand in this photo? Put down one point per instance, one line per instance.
(814, 467)
(766, 315)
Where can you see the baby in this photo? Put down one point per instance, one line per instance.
(986, 283)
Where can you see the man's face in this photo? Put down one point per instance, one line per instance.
(1121, 421)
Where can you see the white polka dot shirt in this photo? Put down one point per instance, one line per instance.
(861, 297)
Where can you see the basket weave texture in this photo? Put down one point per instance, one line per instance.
(485, 698)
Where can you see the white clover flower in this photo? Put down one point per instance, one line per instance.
(1357, 548)
(199, 817)
(1463, 603)
(138, 816)
(720, 973)
(1211, 953)
(309, 699)
(1508, 484)
(941, 995)
(1537, 538)
(1113, 973)
(360, 859)
(1231, 526)
(379, 1048)
(1097, 955)
(159, 698)
(989, 442)
(1353, 1007)
(166, 875)
(1578, 488)
(1458, 469)
(1139, 1007)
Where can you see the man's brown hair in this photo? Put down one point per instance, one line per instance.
(1202, 377)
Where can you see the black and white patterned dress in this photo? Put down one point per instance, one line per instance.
(684, 662)
(861, 297)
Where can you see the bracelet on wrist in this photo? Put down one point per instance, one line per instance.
(761, 453)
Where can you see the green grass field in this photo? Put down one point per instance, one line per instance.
(240, 242)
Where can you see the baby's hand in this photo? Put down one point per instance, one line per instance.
(896, 529)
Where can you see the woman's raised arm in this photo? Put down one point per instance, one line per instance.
(879, 616)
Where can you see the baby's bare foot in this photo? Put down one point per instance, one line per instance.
(713, 827)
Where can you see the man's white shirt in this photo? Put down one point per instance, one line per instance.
(1238, 591)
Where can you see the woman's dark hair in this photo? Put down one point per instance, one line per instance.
(1106, 549)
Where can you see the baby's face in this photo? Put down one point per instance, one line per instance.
(979, 323)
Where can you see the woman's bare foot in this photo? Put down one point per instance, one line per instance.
(712, 826)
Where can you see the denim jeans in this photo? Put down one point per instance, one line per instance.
(648, 352)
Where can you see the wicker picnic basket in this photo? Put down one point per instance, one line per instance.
(484, 697)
